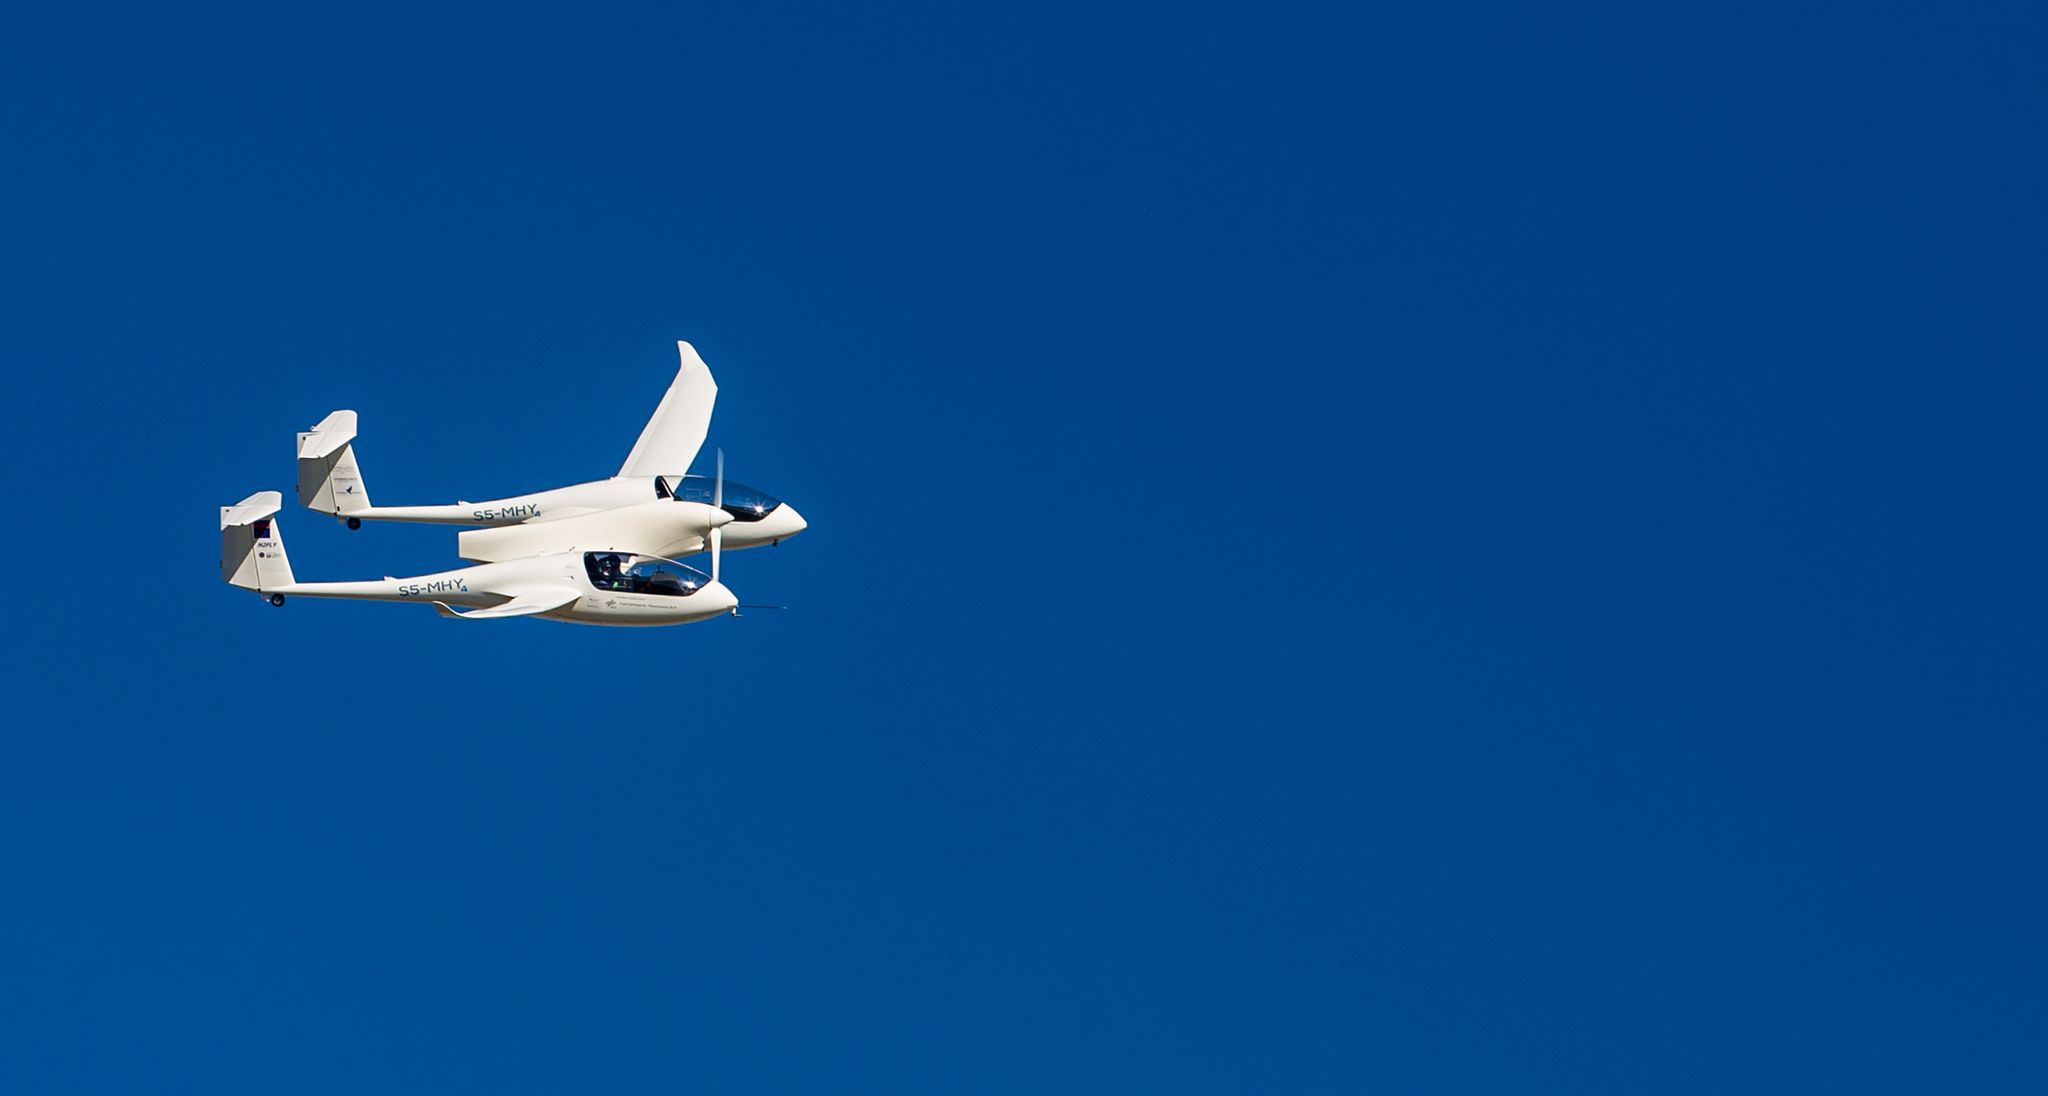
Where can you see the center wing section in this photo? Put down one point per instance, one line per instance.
(525, 604)
(672, 437)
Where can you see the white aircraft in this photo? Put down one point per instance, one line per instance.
(635, 504)
(615, 586)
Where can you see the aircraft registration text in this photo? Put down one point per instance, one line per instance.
(507, 513)
(438, 586)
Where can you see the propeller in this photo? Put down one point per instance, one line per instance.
(718, 533)
(717, 503)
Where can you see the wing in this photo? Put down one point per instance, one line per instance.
(672, 437)
(526, 604)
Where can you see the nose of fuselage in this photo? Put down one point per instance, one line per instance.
(714, 598)
(782, 523)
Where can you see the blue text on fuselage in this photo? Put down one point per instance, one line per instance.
(507, 513)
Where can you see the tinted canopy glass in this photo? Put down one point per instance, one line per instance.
(744, 503)
(626, 574)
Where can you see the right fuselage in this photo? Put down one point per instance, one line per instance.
(612, 588)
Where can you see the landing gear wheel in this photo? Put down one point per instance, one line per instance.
(277, 600)
(355, 523)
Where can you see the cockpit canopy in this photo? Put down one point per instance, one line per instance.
(742, 502)
(629, 574)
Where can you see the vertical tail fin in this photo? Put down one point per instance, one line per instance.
(251, 547)
(329, 480)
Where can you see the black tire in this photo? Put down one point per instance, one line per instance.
(277, 600)
(355, 523)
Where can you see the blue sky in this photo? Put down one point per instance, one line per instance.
(1439, 549)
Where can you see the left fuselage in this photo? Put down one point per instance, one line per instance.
(578, 498)
(758, 519)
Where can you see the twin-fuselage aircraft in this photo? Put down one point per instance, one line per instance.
(601, 552)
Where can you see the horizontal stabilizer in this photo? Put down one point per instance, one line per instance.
(526, 604)
(328, 436)
(250, 510)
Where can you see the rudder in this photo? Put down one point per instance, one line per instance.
(329, 480)
(251, 547)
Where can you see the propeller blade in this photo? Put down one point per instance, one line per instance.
(717, 503)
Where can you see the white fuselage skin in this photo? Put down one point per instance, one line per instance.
(664, 528)
(492, 584)
(576, 500)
